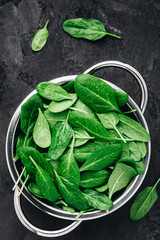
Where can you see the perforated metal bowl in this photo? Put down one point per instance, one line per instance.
(55, 211)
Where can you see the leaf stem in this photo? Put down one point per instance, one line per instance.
(113, 35)
(119, 134)
(134, 110)
(20, 176)
(46, 24)
(155, 185)
(24, 183)
(79, 214)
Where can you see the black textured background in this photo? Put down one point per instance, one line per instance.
(21, 69)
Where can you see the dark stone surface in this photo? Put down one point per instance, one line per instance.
(138, 22)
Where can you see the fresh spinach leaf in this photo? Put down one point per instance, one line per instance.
(132, 129)
(45, 183)
(29, 113)
(52, 91)
(34, 189)
(102, 188)
(95, 93)
(68, 166)
(68, 209)
(61, 136)
(122, 98)
(109, 121)
(69, 87)
(81, 137)
(94, 179)
(143, 202)
(134, 151)
(70, 192)
(138, 166)
(90, 29)
(41, 131)
(120, 177)
(53, 118)
(102, 158)
(97, 200)
(142, 148)
(56, 107)
(40, 38)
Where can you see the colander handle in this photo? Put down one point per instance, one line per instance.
(130, 69)
(38, 231)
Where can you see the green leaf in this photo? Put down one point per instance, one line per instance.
(52, 91)
(56, 107)
(142, 148)
(71, 193)
(120, 177)
(96, 93)
(68, 209)
(138, 166)
(97, 200)
(81, 137)
(84, 152)
(34, 189)
(143, 202)
(109, 121)
(132, 129)
(134, 151)
(92, 126)
(90, 29)
(26, 152)
(53, 118)
(45, 183)
(94, 179)
(80, 105)
(102, 158)
(61, 136)
(41, 131)
(29, 113)
(40, 38)
(68, 167)
(122, 98)
(69, 87)
(102, 188)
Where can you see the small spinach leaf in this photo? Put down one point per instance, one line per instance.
(102, 188)
(68, 209)
(122, 98)
(102, 158)
(90, 29)
(97, 200)
(53, 118)
(34, 189)
(41, 131)
(143, 202)
(40, 38)
(94, 179)
(120, 177)
(52, 91)
(56, 107)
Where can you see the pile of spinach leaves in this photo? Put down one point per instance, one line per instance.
(77, 148)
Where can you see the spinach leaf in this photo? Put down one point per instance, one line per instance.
(70, 192)
(34, 189)
(26, 152)
(84, 152)
(53, 118)
(29, 113)
(68, 209)
(109, 121)
(143, 202)
(61, 136)
(41, 131)
(102, 158)
(97, 200)
(94, 179)
(138, 166)
(132, 129)
(120, 177)
(52, 91)
(122, 98)
(68, 166)
(40, 38)
(142, 148)
(80, 105)
(90, 29)
(56, 107)
(102, 188)
(134, 151)
(81, 137)
(92, 126)
(69, 87)
(45, 182)
(96, 93)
